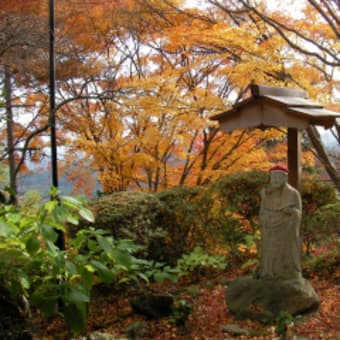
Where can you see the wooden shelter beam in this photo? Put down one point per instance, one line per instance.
(294, 157)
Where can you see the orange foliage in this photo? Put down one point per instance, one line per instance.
(139, 79)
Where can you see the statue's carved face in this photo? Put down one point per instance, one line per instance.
(278, 179)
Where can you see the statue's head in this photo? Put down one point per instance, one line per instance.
(278, 176)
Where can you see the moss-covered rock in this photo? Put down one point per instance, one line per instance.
(263, 299)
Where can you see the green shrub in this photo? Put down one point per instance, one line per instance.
(198, 261)
(178, 216)
(173, 222)
(229, 209)
(283, 321)
(222, 216)
(321, 213)
(133, 215)
(316, 193)
(31, 265)
(324, 263)
(241, 192)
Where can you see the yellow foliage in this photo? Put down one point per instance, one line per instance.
(148, 126)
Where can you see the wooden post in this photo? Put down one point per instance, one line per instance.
(294, 157)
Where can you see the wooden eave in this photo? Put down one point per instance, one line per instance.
(291, 102)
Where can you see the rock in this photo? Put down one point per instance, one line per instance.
(100, 336)
(235, 329)
(137, 330)
(153, 306)
(226, 282)
(13, 323)
(263, 299)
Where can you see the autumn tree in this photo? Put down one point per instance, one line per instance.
(138, 80)
(154, 132)
(312, 57)
(22, 44)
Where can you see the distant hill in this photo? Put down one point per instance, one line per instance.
(41, 182)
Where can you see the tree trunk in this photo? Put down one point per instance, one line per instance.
(10, 146)
(337, 128)
(314, 136)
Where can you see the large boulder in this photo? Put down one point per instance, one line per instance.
(13, 324)
(263, 299)
(152, 306)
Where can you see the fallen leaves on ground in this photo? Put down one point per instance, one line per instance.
(111, 313)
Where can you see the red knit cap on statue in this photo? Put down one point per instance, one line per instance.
(278, 168)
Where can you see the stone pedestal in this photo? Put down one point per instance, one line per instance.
(263, 299)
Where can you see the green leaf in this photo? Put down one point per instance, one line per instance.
(71, 201)
(71, 267)
(14, 217)
(52, 248)
(105, 244)
(79, 240)
(54, 192)
(48, 232)
(161, 276)
(32, 244)
(104, 273)
(86, 214)
(72, 219)
(75, 295)
(24, 281)
(87, 278)
(45, 297)
(76, 315)
(6, 229)
(89, 268)
(50, 206)
(143, 276)
(60, 214)
(123, 258)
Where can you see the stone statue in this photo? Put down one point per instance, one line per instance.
(279, 285)
(280, 217)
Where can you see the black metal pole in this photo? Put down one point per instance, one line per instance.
(52, 119)
(54, 160)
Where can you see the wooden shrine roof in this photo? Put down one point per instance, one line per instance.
(274, 106)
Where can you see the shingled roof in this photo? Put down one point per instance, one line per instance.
(275, 106)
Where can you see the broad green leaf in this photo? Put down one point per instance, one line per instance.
(24, 281)
(89, 268)
(86, 214)
(79, 240)
(50, 206)
(32, 244)
(45, 297)
(143, 276)
(123, 258)
(60, 214)
(53, 249)
(87, 278)
(72, 219)
(6, 229)
(71, 201)
(48, 232)
(71, 267)
(76, 315)
(75, 295)
(14, 217)
(104, 273)
(105, 244)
